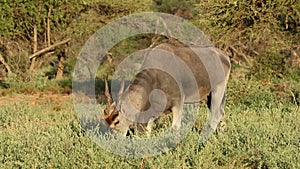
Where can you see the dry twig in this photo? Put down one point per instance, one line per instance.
(245, 57)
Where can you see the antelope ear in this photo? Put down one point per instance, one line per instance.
(121, 91)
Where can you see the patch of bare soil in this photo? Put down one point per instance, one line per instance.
(36, 98)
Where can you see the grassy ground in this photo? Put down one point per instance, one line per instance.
(42, 131)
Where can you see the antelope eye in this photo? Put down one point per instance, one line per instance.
(117, 122)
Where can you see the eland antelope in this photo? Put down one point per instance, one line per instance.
(207, 66)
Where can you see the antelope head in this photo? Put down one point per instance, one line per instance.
(112, 111)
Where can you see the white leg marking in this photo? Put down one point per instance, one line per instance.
(149, 126)
(177, 114)
(216, 110)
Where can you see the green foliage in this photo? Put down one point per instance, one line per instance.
(19, 17)
(37, 83)
(122, 50)
(171, 6)
(270, 64)
(254, 31)
(125, 7)
(250, 21)
(261, 87)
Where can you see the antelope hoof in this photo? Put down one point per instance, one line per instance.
(222, 126)
(176, 127)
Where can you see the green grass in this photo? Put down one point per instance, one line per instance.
(48, 135)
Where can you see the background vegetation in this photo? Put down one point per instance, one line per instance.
(39, 44)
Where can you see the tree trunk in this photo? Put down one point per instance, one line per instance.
(61, 65)
(34, 48)
(48, 27)
(2, 60)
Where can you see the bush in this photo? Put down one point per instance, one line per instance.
(249, 29)
(234, 21)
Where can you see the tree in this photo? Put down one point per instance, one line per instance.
(32, 31)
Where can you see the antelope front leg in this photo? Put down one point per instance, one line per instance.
(177, 115)
(149, 126)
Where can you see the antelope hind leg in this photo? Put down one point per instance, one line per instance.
(216, 105)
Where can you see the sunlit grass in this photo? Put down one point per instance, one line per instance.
(44, 136)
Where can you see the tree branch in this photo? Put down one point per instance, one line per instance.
(7, 67)
(49, 48)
